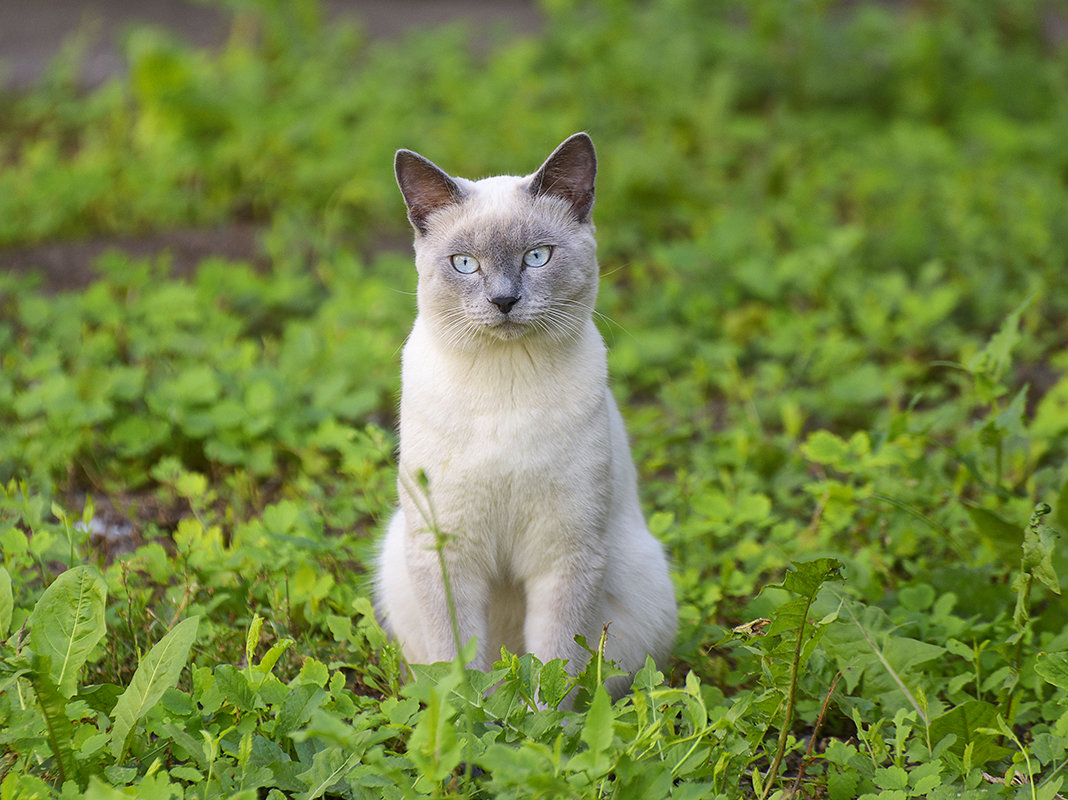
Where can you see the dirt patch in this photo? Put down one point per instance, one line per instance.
(66, 266)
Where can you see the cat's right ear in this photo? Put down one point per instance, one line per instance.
(425, 186)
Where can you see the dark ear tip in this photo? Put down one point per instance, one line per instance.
(408, 163)
(580, 138)
(580, 143)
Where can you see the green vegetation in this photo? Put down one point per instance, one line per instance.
(834, 246)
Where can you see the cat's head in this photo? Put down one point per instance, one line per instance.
(504, 257)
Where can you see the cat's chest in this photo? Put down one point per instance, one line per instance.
(498, 430)
(495, 417)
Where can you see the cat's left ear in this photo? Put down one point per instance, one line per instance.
(569, 173)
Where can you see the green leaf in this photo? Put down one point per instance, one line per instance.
(101, 696)
(995, 358)
(790, 616)
(313, 671)
(157, 786)
(842, 784)
(553, 683)
(891, 778)
(1011, 419)
(640, 778)
(806, 577)
(434, 747)
(863, 646)
(1061, 508)
(824, 447)
(924, 778)
(966, 722)
(526, 767)
(158, 671)
(1040, 540)
(648, 677)
(252, 639)
(328, 767)
(1036, 563)
(262, 670)
(6, 602)
(298, 706)
(1053, 667)
(597, 733)
(235, 688)
(340, 627)
(177, 702)
(99, 790)
(67, 622)
(1050, 789)
(1000, 534)
(197, 384)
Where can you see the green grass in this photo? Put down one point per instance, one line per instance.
(833, 246)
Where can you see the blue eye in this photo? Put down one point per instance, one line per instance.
(538, 256)
(464, 263)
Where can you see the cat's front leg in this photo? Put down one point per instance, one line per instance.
(469, 595)
(564, 601)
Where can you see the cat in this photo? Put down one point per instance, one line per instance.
(511, 443)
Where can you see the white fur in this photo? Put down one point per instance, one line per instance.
(529, 474)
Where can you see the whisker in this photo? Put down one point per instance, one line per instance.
(595, 312)
(561, 323)
(456, 329)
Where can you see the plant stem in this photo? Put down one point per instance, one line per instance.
(784, 732)
(450, 603)
(998, 457)
(440, 540)
(815, 732)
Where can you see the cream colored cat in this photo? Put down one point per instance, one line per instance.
(505, 408)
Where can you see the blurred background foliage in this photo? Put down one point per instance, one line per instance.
(834, 248)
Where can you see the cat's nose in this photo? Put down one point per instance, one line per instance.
(504, 302)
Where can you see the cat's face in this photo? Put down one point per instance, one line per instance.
(504, 257)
